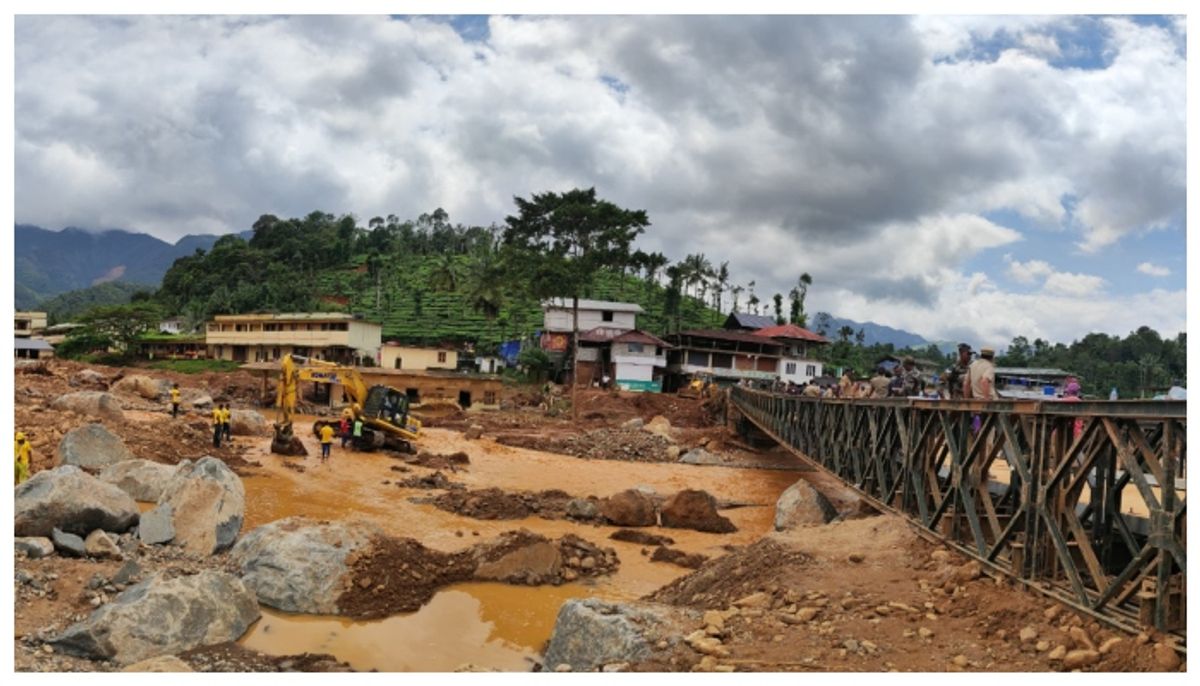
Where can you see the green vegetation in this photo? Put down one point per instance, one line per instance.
(68, 306)
(111, 326)
(194, 366)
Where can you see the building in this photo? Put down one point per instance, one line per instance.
(162, 346)
(412, 358)
(727, 355)
(27, 324)
(332, 336)
(58, 333)
(489, 364)
(744, 321)
(32, 349)
(421, 387)
(798, 363)
(558, 315)
(633, 360)
(1032, 383)
(173, 325)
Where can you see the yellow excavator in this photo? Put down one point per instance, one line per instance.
(701, 387)
(383, 409)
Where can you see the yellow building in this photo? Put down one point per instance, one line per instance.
(408, 358)
(28, 323)
(333, 336)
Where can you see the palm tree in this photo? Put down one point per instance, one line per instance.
(736, 291)
(722, 281)
(484, 287)
(845, 333)
(443, 276)
(802, 285)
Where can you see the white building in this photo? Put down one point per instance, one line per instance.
(798, 363)
(592, 314)
(489, 364)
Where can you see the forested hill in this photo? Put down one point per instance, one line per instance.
(427, 281)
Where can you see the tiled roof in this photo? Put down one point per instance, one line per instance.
(791, 331)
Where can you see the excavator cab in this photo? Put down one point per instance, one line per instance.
(387, 404)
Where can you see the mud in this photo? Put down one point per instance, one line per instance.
(451, 461)
(231, 657)
(494, 503)
(720, 582)
(630, 445)
(678, 557)
(436, 480)
(633, 536)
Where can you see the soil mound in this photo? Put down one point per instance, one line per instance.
(394, 575)
(631, 536)
(630, 445)
(436, 480)
(451, 461)
(493, 503)
(231, 657)
(718, 583)
(678, 557)
(525, 557)
(692, 509)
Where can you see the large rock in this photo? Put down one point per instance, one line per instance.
(142, 479)
(162, 616)
(540, 560)
(802, 505)
(89, 376)
(248, 423)
(34, 547)
(205, 502)
(68, 544)
(70, 499)
(660, 426)
(590, 633)
(692, 509)
(144, 386)
(157, 525)
(92, 447)
(629, 508)
(701, 456)
(100, 545)
(583, 508)
(94, 403)
(299, 565)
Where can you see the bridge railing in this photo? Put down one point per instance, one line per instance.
(1083, 501)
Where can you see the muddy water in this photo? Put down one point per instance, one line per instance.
(484, 624)
(352, 485)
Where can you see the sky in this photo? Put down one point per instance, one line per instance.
(963, 178)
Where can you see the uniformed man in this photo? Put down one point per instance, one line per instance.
(958, 371)
(24, 453)
(980, 381)
(911, 378)
(879, 383)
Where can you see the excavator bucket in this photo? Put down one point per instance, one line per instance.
(287, 443)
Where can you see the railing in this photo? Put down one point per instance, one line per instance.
(1083, 501)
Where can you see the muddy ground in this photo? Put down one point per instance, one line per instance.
(863, 594)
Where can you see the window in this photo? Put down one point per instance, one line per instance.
(810, 370)
(634, 347)
(722, 360)
(489, 397)
(789, 368)
(697, 359)
(606, 315)
(441, 356)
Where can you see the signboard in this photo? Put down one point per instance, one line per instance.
(556, 342)
(640, 386)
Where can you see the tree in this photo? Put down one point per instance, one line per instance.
(722, 280)
(121, 324)
(563, 241)
(845, 332)
(801, 317)
(485, 283)
(752, 303)
(444, 275)
(778, 298)
(824, 321)
(861, 336)
(737, 292)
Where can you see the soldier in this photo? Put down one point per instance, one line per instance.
(911, 384)
(958, 371)
(980, 381)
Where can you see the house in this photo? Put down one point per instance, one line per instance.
(631, 359)
(27, 324)
(173, 325)
(489, 364)
(332, 336)
(798, 363)
(165, 346)
(414, 358)
(744, 321)
(558, 315)
(726, 355)
(58, 333)
(31, 349)
(1032, 383)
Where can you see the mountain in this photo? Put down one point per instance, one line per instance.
(873, 333)
(64, 307)
(48, 263)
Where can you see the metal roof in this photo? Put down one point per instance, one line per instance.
(565, 304)
(725, 335)
(31, 344)
(745, 320)
(1032, 371)
(292, 316)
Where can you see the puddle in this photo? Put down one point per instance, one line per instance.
(489, 625)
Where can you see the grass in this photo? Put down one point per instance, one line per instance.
(194, 366)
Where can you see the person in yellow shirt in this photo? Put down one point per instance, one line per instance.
(218, 420)
(174, 400)
(24, 454)
(326, 441)
(226, 422)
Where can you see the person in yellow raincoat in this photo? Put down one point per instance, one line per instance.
(24, 454)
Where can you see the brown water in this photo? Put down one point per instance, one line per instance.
(484, 624)
(509, 621)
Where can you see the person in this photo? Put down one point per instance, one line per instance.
(1112, 395)
(344, 430)
(218, 425)
(1071, 394)
(879, 383)
(845, 383)
(910, 378)
(326, 441)
(174, 400)
(357, 432)
(812, 390)
(24, 454)
(958, 371)
(980, 381)
(226, 422)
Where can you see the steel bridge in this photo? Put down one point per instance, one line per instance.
(1084, 502)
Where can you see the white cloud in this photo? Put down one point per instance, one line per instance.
(1153, 269)
(1028, 272)
(1067, 283)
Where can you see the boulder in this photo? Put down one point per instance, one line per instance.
(206, 502)
(802, 505)
(164, 663)
(299, 565)
(144, 386)
(692, 509)
(202, 401)
(157, 525)
(701, 456)
(93, 403)
(583, 508)
(473, 432)
(162, 616)
(629, 508)
(72, 500)
(590, 633)
(92, 447)
(248, 423)
(541, 560)
(142, 479)
(68, 544)
(90, 376)
(660, 426)
(34, 547)
(100, 545)
(635, 423)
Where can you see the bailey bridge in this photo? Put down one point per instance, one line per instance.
(1084, 502)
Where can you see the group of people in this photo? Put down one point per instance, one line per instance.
(350, 430)
(222, 424)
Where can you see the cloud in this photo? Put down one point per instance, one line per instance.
(1028, 272)
(1153, 269)
(1067, 283)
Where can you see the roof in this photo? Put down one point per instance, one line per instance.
(725, 335)
(601, 334)
(292, 316)
(31, 344)
(565, 304)
(1032, 371)
(639, 336)
(745, 320)
(791, 331)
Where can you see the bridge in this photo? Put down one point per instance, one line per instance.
(1084, 502)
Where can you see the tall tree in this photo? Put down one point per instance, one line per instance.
(737, 292)
(563, 241)
(444, 274)
(778, 298)
(722, 280)
(802, 284)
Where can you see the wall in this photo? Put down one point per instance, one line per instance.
(417, 359)
(801, 374)
(560, 320)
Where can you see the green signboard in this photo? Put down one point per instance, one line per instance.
(643, 386)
